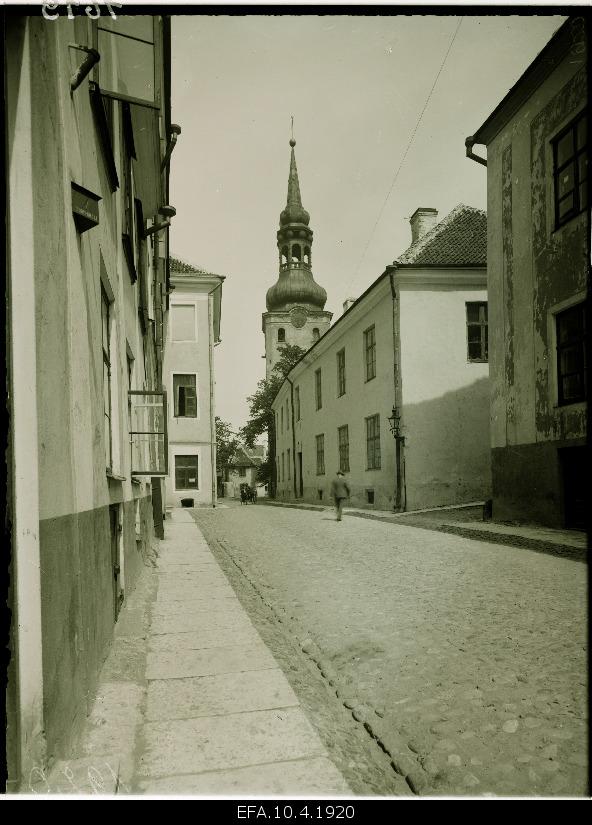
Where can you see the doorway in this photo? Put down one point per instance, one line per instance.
(574, 479)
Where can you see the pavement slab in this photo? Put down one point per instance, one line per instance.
(179, 643)
(210, 661)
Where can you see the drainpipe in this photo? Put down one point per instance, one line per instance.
(212, 414)
(91, 59)
(174, 132)
(399, 502)
(293, 433)
(469, 143)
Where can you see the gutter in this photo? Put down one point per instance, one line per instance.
(212, 412)
(399, 497)
(469, 143)
(293, 433)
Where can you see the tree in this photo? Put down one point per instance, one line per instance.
(261, 418)
(227, 443)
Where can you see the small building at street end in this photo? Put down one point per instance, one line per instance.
(188, 370)
(538, 265)
(396, 392)
(244, 470)
(88, 148)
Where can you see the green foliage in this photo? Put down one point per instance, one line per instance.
(227, 443)
(260, 411)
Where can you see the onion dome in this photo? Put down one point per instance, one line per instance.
(296, 287)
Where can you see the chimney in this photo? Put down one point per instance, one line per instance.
(347, 303)
(422, 220)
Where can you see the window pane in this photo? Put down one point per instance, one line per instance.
(186, 475)
(475, 351)
(127, 66)
(572, 387)
(566, 206)
(566, 180)
(570, 325)
(582, 132)
(472, 312)
(183, 322)
(572, 359)
(137, 25)
(565, 148)
(583, 167)
(474, 333)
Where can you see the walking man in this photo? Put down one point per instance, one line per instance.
(339, 491)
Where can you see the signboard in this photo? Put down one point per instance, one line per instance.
(85, 207)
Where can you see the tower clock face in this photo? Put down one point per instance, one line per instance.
(298, 318)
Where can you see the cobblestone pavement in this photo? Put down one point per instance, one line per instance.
(465, 661)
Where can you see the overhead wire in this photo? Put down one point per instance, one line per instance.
(413, 133)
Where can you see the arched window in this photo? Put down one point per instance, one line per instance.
(296, 252)
(281, 335)
(284, 256)
(307, 255)
(316, 334)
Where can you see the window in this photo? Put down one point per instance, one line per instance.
(283, 468)
(570, 171)
(341, 372)
(282, 419)
(186, 477)
(571, 354)
(281, 335)
(369, 496)
(343, 442)
(320, 439)
(316, 334)
(242, 471)
(185, 396)
(287, 414)
(370, 353)
(318, 390)
(477, 344)
(288, 464)
(105, 335)
(373, 442)
(297, 403)
(183, 322)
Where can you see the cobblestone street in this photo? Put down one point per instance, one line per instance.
(465, 661)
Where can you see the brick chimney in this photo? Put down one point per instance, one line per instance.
(347, 303)
(422, 220)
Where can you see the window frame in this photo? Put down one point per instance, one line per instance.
(577, 208)
(341, 379)
(370, 353)
(108, 397)
(373, 451)
(483, 324)
(297, 402)
(343, 448)
(320, 453)
(176, 470)
(175, 304)
(318, 389)
(560, 347)
(175, 405)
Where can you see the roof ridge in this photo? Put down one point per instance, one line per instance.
(186, 266)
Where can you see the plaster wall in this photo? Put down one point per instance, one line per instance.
(75, 491)
(445, 397)
(361, 399)
(301, 337)
(191, 436)
(534, 271)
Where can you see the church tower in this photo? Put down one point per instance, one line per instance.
(295, 313)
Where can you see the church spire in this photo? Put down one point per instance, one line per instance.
(296, 285)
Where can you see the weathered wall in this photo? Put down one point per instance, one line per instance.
(445, 398)
(361, 399)
(74, 489)
(534, 271)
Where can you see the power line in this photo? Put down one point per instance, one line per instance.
(392, 186)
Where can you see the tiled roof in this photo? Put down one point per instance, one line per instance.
(460, 239)
(182, 267)
(243, 458)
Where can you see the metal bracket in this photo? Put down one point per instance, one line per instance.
(92, 58)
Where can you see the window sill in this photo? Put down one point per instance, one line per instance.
(136, 480)
(477, 360)
(581, 403)
(113, 476)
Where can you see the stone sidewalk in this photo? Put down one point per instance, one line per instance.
(462, 520)
(191, 701)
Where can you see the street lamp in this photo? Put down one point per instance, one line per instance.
(394, 421)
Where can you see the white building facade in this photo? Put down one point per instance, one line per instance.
(193, 331)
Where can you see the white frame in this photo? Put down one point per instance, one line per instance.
(192, 451)
(184, 417)
(188, 303)
(552, 312)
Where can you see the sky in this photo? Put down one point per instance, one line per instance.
(356, 86)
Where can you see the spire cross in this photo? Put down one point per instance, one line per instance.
(292, 127)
